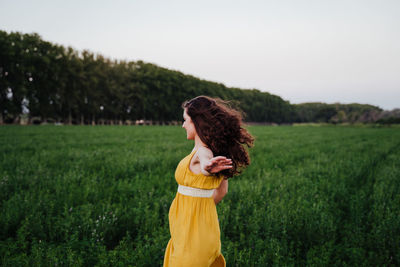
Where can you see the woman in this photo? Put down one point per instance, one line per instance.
(202, 178)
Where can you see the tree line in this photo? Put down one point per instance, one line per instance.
(46, 82)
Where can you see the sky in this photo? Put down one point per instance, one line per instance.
(301, 50)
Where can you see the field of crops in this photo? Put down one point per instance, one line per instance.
(100, 196)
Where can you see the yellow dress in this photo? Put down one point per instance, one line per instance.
(193, 222)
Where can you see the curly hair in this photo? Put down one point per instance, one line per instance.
(220, 128)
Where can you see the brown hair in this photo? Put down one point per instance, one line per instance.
(220, 128)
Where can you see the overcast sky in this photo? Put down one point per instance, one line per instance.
(302, 50)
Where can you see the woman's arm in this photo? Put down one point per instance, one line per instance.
(210, 164)
(221, 191)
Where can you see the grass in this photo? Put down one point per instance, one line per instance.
(100, 196)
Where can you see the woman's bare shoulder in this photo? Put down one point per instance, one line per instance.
(205, 151)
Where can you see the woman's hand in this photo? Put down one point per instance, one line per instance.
(217, 164)
(210, 164)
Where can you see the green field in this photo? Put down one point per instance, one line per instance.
(85, 196)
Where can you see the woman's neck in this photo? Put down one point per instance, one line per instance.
(198, 143)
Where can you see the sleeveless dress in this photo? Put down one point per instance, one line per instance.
(193, 222)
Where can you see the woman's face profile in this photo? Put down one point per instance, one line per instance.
(189, 126)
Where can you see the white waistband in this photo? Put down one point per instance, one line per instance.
(195, 192)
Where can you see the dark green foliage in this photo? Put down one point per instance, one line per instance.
(336, 113)
(390, 120)
(58, 84)
(100, 196)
